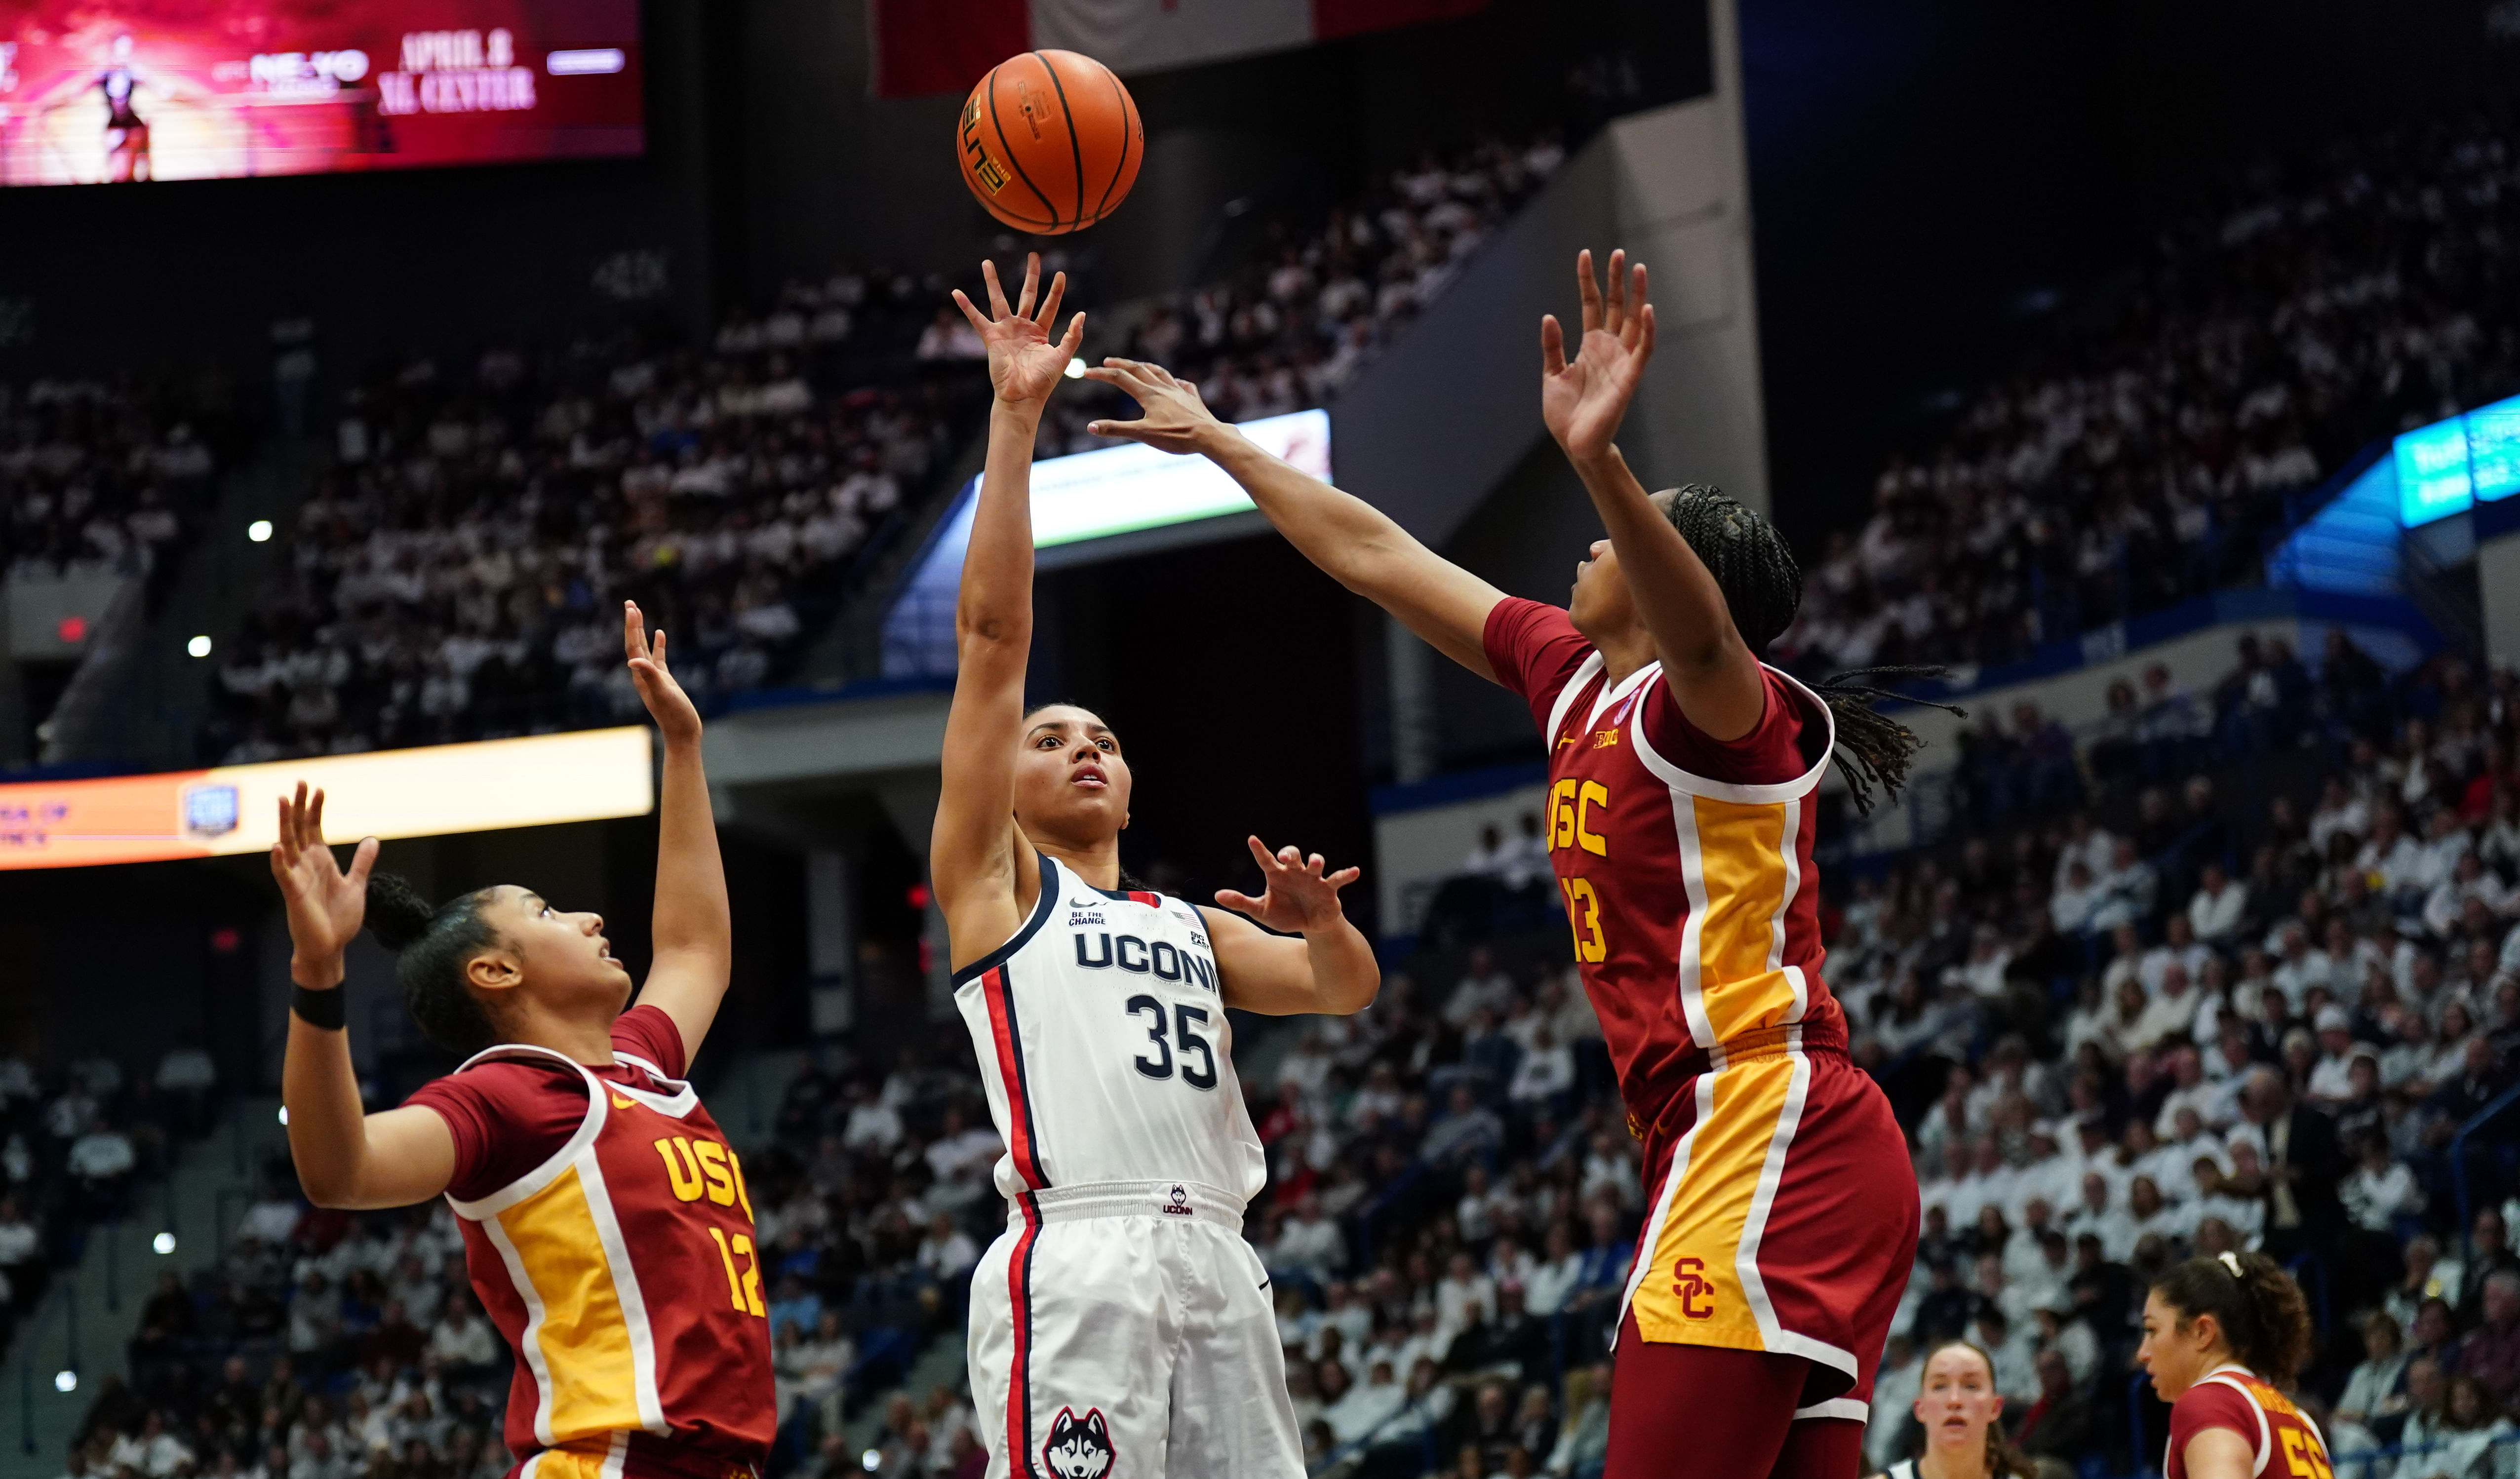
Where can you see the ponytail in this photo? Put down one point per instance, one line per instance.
(1763, 589)
(1873, 748)
(433, 943)
(2003, 1459)
(2264, 1320)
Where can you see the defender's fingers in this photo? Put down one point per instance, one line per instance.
(970, 312)
(1048, 314)
(1631, 331)
(1552, 346)
(1345, 877)
(1239, 903)
(1646, 339)
(1259, 851)
(315, 820)
(1590, 290)
(1135, 430)
(1617, 304)
(285, 851)
(362, 861)
(996, 291)
(1074, 340)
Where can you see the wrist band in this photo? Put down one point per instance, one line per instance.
(318, 1008)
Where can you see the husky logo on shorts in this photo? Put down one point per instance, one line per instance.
(1179, 1206)
(1078, 1450)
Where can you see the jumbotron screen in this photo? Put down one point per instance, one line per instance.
(96, 91)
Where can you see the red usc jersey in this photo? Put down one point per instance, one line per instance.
(1684, 862)
(618, 1263)
(2284, 1438)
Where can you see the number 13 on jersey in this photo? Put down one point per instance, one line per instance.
(1583, 915)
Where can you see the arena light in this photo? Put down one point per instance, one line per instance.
(199, 646)
(162, 1244)
(425, 793)
(260, 532)
(284, 1114)
(1075, 369)
(66, 1381)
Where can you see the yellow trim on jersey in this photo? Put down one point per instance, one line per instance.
(583, 1334)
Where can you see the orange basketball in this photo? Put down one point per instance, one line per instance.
(1051, 142)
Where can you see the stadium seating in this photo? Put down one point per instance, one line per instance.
(2141, 454)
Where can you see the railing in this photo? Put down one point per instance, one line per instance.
(2459, 1151)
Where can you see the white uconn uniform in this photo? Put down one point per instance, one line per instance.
(1121, 1327)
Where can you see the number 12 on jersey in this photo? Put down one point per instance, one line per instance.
(1178, 1022)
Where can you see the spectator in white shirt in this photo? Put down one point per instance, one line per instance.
(873, 1125)
(2380, 1189)
(2339, 811)
(1526, 859)
(2171, 1009)
(1309, 1241)
(2445, 907)
(947, 1253)
(20, 1240)
(463, 1341)
(2076, 900)
(2215, 911)
(2127, 889)
(2333, 1080)
(1482, 984)
(101, 1157)
(2390, 853)
(1546, 1069)
(1488, 859)
(1546, 1292)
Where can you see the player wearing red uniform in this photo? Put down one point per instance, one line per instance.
(605, 1222)
(2220, 1335)
(1782, 1212)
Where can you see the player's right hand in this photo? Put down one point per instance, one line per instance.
(1024, 363)
(326, 906)
(1174, 419)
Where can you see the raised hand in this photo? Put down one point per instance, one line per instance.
(667, 703)
(1024, 363)
(326, 906)
(1296, 897)
(1583, 400)
(1172, 419)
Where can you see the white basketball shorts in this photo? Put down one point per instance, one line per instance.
(1125, 1331)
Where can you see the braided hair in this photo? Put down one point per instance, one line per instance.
(431, 945)
(1763, 587)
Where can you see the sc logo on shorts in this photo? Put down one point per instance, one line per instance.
(1689, 1286)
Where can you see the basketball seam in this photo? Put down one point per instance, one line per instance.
(1128, 131)
(1075, 150)
(1011, 162)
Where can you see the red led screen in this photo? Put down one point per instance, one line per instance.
(95, 91)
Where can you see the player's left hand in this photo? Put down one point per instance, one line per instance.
(1298, 895)
(667, 703)
(1025, 364)
(1583, 400)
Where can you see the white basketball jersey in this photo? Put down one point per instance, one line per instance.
(1101, 1037)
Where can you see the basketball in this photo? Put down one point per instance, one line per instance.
(1050, 142)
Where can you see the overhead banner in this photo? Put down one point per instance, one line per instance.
(423, 792)
(922, 46)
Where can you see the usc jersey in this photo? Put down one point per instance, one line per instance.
(619, 1264)
(1782, 1206)
(2285, 1439)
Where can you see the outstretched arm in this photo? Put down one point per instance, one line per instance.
(345, 1158)
(1328, 967)
(693, 927)
(1714, 675)
(973, 858)
(1354, 543)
